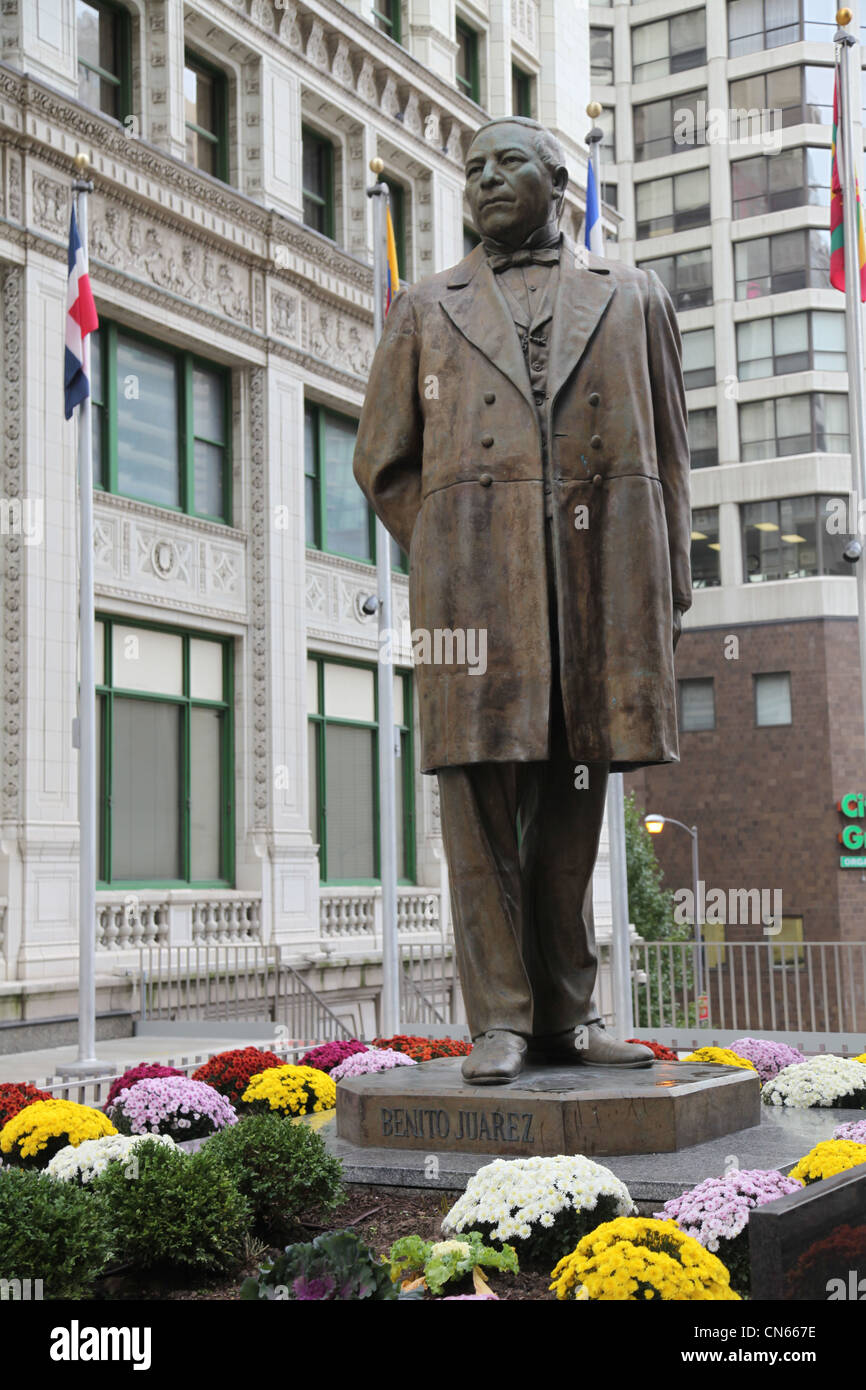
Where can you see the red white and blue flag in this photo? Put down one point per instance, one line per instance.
(80, 320)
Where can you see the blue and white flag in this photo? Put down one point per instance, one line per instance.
(80, 320)
(592, 222)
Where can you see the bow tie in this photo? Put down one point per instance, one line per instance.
(542, 255)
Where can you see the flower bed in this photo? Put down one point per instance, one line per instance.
(544, 1205)
(145, 1071)
(290, 1091)
(230, 1072)
(90, 1159)
(173, 1105)
(425, 1049)
(768, 1058)
(820, 1081)
(375, 1059)
(331, 1054)
(15, 1096)
(829, 1158)
(636, 1259)
(716, 1213)
(39, 1131)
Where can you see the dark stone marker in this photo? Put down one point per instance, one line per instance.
(548, 1110)
(811, 1246)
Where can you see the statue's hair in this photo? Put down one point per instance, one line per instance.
(547, 146)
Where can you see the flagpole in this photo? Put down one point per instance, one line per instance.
(86, 695)
(620, 942)
(845, 43)
(390, 1008)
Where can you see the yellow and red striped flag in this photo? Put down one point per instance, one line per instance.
(392, 277)
(837, 223)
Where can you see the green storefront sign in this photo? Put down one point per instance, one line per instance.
(852, 836)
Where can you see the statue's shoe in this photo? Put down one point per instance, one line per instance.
(599, 1050)
(496, 1057)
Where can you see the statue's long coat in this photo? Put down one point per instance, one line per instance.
(449, 455)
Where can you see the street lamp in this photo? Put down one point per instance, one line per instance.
(655, 825)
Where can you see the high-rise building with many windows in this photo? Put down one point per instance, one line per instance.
(718, 161)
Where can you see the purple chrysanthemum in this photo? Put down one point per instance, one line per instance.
(718, 1208)
(173, 1105)
(375, 1059)
(768, 1058)
(855, 1130)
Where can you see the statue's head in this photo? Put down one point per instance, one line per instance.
(515, 179)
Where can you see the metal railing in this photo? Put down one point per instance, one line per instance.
(814, 989)
(428, 983)
(232, 983)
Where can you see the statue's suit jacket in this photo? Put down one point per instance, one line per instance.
(449, 455)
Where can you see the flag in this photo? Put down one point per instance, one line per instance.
(80, 320)
(837, 222)
(592, 222)
(392, 277)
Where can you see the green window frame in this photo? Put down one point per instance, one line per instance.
(189, 433)
(316, 499)
(521, 92)
(216, 135)
(107, 695)
(388, 18)
(118, 78)
(468, 79)
(319, 721)
(319, 203)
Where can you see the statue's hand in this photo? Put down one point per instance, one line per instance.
(678, 626)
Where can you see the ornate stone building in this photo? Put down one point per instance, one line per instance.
(230, 251)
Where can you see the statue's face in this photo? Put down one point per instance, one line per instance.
(510, 191)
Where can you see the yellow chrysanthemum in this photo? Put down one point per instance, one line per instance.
(861, 1058)
(722, 1056)
(637, 1258)
(829, 1158)
(292, 1090)
(28, 1134)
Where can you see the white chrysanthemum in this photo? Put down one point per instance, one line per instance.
(820, 1081)
(84, 1162)
(512, 1194)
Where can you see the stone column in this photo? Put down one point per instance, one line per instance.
(275, 682)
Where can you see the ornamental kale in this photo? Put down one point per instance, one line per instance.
(335, 1267)
(437, 1264)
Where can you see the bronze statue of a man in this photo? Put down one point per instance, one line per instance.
(524, 440)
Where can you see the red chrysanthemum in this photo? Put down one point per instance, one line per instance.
(424, 1049)
(230, 1072)
(15, 1095)
(661, 1054)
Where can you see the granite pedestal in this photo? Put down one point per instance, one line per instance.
(594, 1111)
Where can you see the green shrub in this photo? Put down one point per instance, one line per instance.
(334, 1267)
(181, 1209)
(52, 1231)
(280, 1167)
